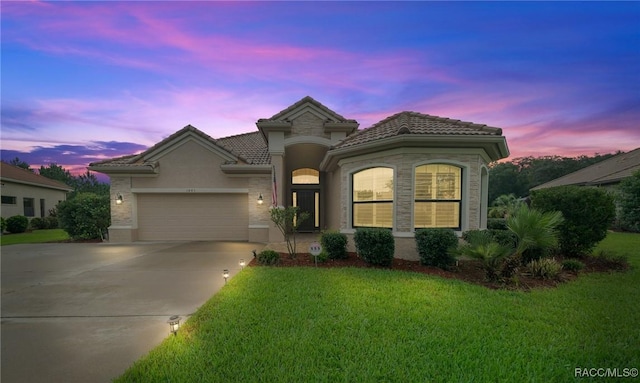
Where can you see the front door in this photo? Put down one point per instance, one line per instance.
(308, 200)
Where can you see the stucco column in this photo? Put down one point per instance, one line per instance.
(277, 160)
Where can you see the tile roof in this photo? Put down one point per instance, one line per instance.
(250, 146)
(417, 123)
(608, 171)
(280, 116)
(17, 174)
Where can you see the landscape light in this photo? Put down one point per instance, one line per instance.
(174, 324)
(225, 275)
(242, 263)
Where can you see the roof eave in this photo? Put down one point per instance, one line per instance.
(61, 188)
(245, 169)
(121, 170)
(494, 146)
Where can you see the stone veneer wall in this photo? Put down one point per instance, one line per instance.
(308, 124)
(121, 215)
(259, 218)
(403, 165)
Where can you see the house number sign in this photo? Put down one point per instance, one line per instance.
(191, 190)
(315, 249)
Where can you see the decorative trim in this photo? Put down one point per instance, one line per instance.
(258, 226)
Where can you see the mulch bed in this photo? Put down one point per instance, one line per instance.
(466, 270)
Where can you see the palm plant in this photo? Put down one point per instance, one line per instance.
(492, 255)
(534, 229)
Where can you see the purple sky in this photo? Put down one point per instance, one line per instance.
(85, 81)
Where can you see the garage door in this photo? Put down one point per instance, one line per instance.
(195, 217)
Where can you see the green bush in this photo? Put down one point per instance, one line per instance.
(375, 246)
(588, 213)
(3, 224)
(51, 222)
(477, 236)
(629, 203)
(335, 244)
(268, 257)
(87, 216)
(17, 224)
(37, 223)
(545, 268)
(505, 238)
(572, 265)
(497, 223)
(434, 246)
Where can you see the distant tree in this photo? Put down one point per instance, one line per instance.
(58, 173)
(89, 183)
(505, 178)
(21, 164)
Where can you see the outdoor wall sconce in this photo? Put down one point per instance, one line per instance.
(119, 199)
(225, 275)
(242, 263)
(174, 324)
(260, 199)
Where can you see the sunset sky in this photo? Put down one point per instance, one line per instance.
(85, 81)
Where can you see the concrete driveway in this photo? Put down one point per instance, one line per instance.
(84, 312)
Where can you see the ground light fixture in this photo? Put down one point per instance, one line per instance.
(225, 275)
(174, 324)
(242, 263)
(119, 199)
(260, 199)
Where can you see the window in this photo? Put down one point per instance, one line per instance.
(9, 200)
(373, 198)
(438, 196)
(305, 176)
(28, 205)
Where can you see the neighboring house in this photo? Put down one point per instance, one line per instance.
(29, 194)
(408, 171)
(606, 173)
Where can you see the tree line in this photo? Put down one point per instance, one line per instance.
(521, 174)
(84, 183)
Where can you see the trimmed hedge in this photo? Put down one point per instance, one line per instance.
(375, 246)
(17, 224)
(335, 244)
(268, 257)
(588, 213)
(434, 246)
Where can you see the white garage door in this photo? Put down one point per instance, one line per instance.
(197, 217)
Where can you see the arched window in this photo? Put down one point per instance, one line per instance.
(372, 200)
(438, 196)
(305, 176)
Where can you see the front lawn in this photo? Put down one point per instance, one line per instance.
(369, 325)
(36, 236)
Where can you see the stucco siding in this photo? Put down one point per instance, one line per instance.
(51, 198)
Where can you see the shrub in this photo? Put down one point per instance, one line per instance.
(572, 265)
(504, 237)
(434, 246)
(335, 244)
(50, 222)
(497, 223)
(17, 224)
(288, 220)
(628, 203)
(545, 268)
(86, 216)
(37, 223)
(535, 231)
(375, 246)
(492, 255)
(323, 256)
(587, 213)
(268, 257)
(3, 224)
(477, 236)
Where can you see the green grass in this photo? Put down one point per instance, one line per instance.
(368, 325)
(36, 236)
